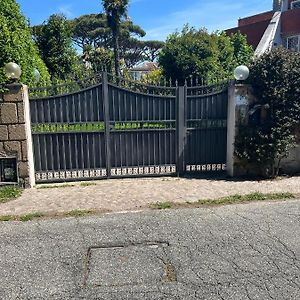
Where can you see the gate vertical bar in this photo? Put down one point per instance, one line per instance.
(181, 128)
(106, 123)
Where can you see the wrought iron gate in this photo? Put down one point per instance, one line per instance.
(118, 128)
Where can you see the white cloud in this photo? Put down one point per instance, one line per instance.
(214, 15)
(66, 10)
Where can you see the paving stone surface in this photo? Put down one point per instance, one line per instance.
(135, 194)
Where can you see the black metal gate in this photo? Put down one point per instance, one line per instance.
(119, 128)
(206, 119)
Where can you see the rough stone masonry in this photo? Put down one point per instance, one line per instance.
(15, 132)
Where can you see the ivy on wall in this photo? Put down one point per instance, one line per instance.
(16, 44)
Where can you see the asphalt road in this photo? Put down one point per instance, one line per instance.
(232, 252)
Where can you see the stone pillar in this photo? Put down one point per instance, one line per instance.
(15, 132)
(231, 129)
(240, 96)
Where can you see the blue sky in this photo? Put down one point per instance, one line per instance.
(157, 17)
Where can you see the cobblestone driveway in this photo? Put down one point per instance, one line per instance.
(135, 194)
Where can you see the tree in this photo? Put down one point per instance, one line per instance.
(135, 51)
(243, 53)
(188, 53)
(93, 30)
(54, 40)
(151, 49)
(197, 53)
(225, 55)
(90, 30)
(155, 77)
(131, 51)
(115, 10)
(130, 47)
(275, 78)
(16, 44)
(98, 59)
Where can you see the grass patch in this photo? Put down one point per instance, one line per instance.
(234, 199)
(78, 213)
(246, 198)
(7, 218)
(8, 193)
(56, 186)
(30, 217)
(22, 218)
(162, 205)
(87, 183)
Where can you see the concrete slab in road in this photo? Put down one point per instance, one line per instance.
(232, 252)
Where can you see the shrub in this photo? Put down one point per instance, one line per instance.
(275, 78)
(198, 53)
(16, 44)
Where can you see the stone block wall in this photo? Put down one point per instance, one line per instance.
(15, 131)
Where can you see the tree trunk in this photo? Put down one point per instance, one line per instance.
(278, 167)
(116, 53)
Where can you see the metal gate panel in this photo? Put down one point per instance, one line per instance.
(68, 136)
(142, 133)
(206, 119)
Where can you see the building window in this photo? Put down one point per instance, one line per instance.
(293, 43)
(295, 4)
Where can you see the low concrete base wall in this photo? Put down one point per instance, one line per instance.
(291, 165)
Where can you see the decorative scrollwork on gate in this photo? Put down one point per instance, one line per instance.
(149, 170)
(70, 175)
(206, 168)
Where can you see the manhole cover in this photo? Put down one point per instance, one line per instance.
(122, 265)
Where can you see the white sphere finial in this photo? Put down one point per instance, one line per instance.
(241, 73)
(12, 70)
(37, 75)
